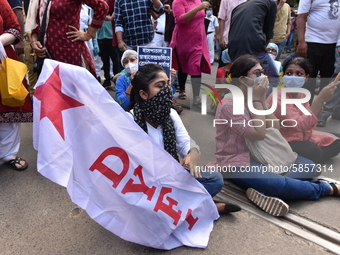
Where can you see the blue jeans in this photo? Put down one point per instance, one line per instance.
(269, 66)
(290, 39)
(291, 185)
(212, 182)
(218, 48)
(281, 46)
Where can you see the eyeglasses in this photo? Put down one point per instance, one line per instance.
(271, 50)
(259, 72)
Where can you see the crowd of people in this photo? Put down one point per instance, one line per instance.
(252, 36)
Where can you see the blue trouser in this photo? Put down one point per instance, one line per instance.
(212, 182)
(281, 47)
(291, 185)
(290, 39)
(268, 65)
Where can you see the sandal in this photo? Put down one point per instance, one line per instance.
(321, 123)
(182, 95)
(16, 161)
(332, 183)
(335, 189)
(197, 102)
(178, 108)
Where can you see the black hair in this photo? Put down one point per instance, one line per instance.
(241, 67)
(143, 77)
(300, 61)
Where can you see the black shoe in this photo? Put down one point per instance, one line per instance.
(107, 83)
(229, 207)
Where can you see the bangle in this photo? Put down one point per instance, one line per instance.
(92, 36)
(120, 40)
(260, 101)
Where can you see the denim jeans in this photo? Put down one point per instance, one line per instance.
(281, 46)
(212, 182)
(290, 39)
(269, 66)
(291, 185)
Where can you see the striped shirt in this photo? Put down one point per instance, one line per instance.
(133, 18)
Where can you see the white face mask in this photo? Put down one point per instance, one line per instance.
(131, 67)
(256, 80)
(272, 56)
(293, 81)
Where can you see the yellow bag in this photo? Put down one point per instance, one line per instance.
(12, 73)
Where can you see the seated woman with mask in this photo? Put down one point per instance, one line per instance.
(123, 82)
(264, 188)
(151, 101)
(272, 49)
(315, 145)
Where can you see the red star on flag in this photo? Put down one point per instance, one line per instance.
(53, 101)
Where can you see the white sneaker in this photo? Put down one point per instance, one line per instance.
(271, 205)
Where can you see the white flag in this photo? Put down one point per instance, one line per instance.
(111, 168)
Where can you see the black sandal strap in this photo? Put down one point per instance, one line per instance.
(17, 160)
(335, 189)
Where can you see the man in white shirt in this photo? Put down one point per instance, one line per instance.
(332, 106)
(318, 28)
(159, 29)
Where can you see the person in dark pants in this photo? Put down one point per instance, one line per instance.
(107, 52)
(318, 27)
(251, 29)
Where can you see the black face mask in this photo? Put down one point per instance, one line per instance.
(157, 109)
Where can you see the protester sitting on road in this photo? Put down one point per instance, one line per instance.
(151, 101)
(264, 188)
(315, 145)
(123, 82)
(272, 49)
(223, 67)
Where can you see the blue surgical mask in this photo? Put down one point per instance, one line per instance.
(256, 80)
(293, 81)
(209, 12)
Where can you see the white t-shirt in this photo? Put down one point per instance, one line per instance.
(183, 141)
(323, 21)
(213, 23)
(160, 23)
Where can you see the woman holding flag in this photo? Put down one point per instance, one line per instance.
(151, 101)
